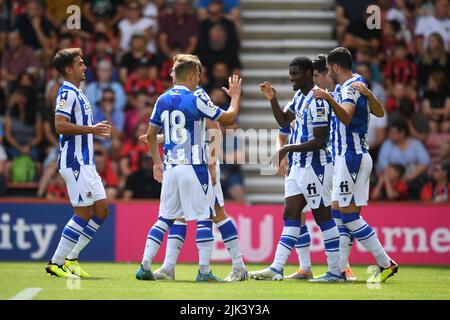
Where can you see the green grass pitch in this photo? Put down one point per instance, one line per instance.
(116, 281)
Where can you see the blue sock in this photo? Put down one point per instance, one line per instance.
(302, 247)
(330, 234)
(289, 237)
(367, 237)
(175, 241)
(69, 238)
(154, 239)
(230, 238)
(205, 241)
(346, 239)
(86, 236)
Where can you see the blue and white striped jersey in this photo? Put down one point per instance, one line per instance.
(181, 114)
(309, 113)
(74, 150)
(352, 137)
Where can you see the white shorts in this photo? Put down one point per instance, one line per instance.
(351, 176)
(218, 189)
(84, 186)
(314, 182)
(187, 192)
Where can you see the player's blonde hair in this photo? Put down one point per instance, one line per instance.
(185, 63)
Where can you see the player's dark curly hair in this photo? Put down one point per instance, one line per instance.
(303, 63)
(65, 58)
(320, 63)
(340, 56)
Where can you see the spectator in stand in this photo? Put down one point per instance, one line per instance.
(107, 172)
(436, 102)
(95, 89)
(400, 148)
(56, 189)
(230, 8)
(390, 185)
(217, 76)
(115, 117)
(138, 54)
(394, 34)
(364, 56)
(145, 78)
(22, 126)
(438, 189)
(102, 52)
(141, 184)
(165, 72)
(150, 9)
(108, 12)
(439, 22)
(17, 58)
(134, 22)
(218, 40)
(349, 14)
(400, 69)
(434, 57)
(37, 31)
(178, 28)
(399, 98)
(139, 112)
(132, 153)
(358, 35)
(56, 11)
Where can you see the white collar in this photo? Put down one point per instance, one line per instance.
(70, 84)
(181, 87)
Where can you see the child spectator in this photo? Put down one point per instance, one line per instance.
(438, 189)
(400, 69)
(390, 185)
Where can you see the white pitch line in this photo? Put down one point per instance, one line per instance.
(26, 294)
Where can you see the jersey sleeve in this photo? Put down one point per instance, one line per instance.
(155, 118)
(65, 102)
(320, 113)
(350, 95)
(207, 108)
(284, 131)
(290, 105)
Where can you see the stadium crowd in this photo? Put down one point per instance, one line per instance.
(128, 46)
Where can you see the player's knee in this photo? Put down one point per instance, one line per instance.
(290, 214)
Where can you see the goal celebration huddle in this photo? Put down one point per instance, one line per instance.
(322, 152)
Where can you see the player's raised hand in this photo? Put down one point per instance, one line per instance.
(102, 129)
(268, 91)
(319, 93)
(158, 172)
(361, 87)
(234, 86)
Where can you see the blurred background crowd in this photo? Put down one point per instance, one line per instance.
(128, 47)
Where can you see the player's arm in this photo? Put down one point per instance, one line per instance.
(344, 111)
(64, 126)
(282, 139)
(283, 117)
(376, 108)
(228, 118)
(319, 142)
(152, 133)
(215, 143)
